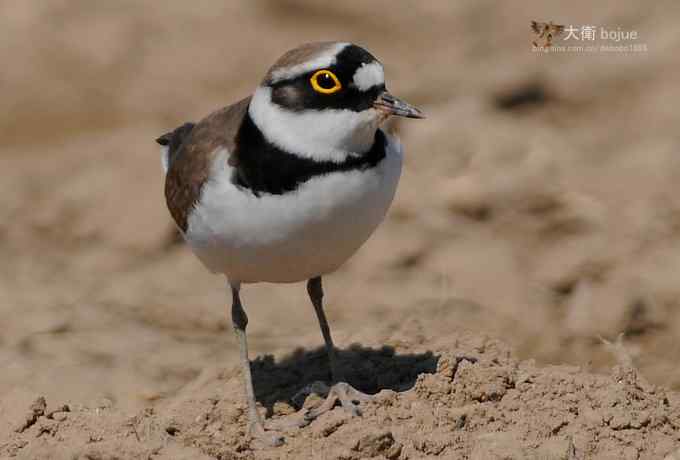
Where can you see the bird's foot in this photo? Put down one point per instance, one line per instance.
(348, 397)
(267, 437)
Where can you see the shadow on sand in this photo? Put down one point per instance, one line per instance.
(367, 369)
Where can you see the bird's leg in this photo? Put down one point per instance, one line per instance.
(315, 291)
(340, 391)
(240, 321)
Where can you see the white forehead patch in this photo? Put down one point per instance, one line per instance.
(322, 61)
(369, 75)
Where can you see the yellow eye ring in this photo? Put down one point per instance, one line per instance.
(321, 82)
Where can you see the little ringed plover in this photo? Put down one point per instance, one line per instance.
(285, 185)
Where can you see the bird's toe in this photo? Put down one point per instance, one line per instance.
(349, 398)
(268, 438)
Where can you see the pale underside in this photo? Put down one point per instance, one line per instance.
(295, 236)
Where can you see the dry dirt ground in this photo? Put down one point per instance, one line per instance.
(538, 208)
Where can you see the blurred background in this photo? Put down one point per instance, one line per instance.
(538, 203)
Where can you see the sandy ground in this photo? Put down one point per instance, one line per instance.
(456, 396)
(538, 208)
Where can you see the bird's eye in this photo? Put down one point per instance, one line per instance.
(325, 82)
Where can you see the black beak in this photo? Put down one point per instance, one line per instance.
(394, 106)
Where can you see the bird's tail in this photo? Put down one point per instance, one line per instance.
(171, 142)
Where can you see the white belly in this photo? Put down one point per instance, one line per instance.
(294, 236)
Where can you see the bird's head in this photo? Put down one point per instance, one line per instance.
(325, 101)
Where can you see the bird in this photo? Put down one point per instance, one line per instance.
(288, 183)
(547, 31)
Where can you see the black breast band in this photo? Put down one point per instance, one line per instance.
(264, 168)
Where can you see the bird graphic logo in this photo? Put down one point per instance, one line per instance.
(546, 31)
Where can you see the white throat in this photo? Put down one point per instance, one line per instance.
(330, 134)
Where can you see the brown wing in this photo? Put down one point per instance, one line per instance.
(191, 164)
